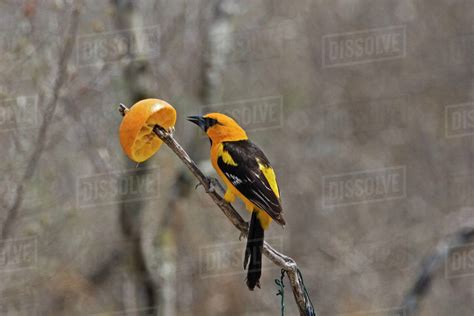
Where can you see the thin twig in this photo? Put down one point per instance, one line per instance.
(284, 262)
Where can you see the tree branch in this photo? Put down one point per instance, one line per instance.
(430, 265)
(50, 109)
(284, 262)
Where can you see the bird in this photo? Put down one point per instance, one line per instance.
(248, 175)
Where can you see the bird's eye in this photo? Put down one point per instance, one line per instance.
(210, 122)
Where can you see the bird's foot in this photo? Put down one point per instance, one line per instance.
(242, 235)
(212, 183)
(211, 188)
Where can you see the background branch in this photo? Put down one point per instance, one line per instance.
(284, 262)
(430, 265)
(58, 82)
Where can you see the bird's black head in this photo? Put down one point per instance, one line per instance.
(219, 127)
(203, 122)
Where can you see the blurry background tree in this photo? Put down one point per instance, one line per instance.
(85, 231)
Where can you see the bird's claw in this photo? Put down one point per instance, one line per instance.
(212, 183)
(242, 235)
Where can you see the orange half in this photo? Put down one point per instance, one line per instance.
(137, 138)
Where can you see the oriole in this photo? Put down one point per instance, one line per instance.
(247, 174)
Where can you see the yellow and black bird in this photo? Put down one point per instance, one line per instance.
(247, 173)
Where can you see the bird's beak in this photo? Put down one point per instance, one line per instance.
(198, 120)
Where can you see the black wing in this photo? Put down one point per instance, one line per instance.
(249, 179)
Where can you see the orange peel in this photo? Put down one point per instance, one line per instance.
(137, 138)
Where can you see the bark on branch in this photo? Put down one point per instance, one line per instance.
(284, 262)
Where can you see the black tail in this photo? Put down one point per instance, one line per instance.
(253, 251)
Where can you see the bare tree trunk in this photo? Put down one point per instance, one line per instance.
(219, 42)
(131, 212)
